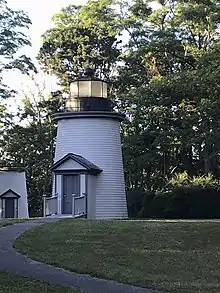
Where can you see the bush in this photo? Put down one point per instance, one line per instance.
(134, 201)
(137, 199)
(156, 208)
(184, 180)
(184, 198)
(183, 203)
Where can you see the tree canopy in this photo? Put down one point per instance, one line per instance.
(12, 35)
(162, 62)
(82, 36)
(28, 142)
(168, 87)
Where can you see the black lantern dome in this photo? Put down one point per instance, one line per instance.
(88, 93)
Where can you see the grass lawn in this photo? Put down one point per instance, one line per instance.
(174, 256)
(10, 283)
(6, 222)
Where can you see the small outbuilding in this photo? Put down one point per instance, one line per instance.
(13, 193)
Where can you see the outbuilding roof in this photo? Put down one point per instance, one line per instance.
(79, 159)
(4, 194)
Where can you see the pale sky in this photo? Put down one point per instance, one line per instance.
(40, 13)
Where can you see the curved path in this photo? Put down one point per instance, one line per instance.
(14, 262)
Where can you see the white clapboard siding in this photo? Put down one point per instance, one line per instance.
(16, 181)
(91, 197)
(98, 140)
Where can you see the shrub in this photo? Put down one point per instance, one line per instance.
(184, 180)
(185, 197)
(194, 202)
(134, 201)
(137, 200)
(179, 180)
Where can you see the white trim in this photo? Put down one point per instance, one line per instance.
(3, 208)
(79, 215)
(78, 197)
(15, 208)
(83, 190)
(82, 184)
(70, 164)
(73, 204)
(51, 197)
(58, 188)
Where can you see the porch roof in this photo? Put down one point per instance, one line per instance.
(80, 160)
(7, 192)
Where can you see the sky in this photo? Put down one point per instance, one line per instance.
(40, 13)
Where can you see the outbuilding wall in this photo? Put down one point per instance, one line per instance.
(16, 181)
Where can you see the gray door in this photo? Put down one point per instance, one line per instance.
(70, 187)
(9, 207)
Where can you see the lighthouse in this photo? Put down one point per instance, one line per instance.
(88, 175)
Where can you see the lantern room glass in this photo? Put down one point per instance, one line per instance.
(88, 88)
(84, 88)
(74, 89)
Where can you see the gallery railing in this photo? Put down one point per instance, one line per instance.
(78, 206)
(50, 205)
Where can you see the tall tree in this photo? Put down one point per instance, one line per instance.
(166, 86)
(81, 37)
(12, 26)
(167, 79)
(29, 143)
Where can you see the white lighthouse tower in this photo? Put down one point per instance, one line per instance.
(88, 175)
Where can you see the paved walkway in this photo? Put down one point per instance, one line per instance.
(14, 262)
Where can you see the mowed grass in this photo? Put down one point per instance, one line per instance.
(7, 222)
(173, 256)
(13, 284)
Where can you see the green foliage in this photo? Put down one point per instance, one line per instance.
(31, 145)
(180, 203)
(169, 84)
(147, 254)
(13, 24)
(81, 37)
(134, 201)
(183, 197)
(181, 179)
(165, 75)
(184, 180)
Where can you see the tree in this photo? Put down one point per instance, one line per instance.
(169, 84)
(167, 79)
(29, 143)
(81, 37)
(12, 36)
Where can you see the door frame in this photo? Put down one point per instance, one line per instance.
(9, 194)
(62, 192)
(10, 207)
(73, 172)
